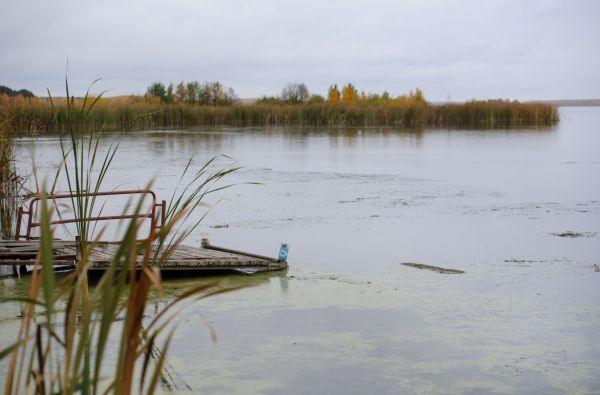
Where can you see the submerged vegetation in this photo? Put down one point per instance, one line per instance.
(196, 104)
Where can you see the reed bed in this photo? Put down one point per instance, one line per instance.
(11, 184)
(119, 113)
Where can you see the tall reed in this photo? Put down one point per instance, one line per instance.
(67, 348)
(10, 182)
(10, 185)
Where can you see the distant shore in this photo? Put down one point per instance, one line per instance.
(120, 113)
(557, 102)
(571, 102)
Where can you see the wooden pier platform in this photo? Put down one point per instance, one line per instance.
(207, 258)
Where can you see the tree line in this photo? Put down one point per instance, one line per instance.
(298, 93)
(193, 92)
(211, 103)
(216, 94)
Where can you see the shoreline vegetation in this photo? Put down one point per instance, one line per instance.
(212, 104)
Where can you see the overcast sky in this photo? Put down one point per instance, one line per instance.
(453, 50)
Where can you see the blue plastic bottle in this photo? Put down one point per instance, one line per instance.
(283, 252)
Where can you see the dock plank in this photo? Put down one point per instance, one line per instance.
(181, 258)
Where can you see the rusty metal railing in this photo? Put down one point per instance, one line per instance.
(156, 221)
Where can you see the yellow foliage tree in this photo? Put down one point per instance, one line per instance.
(349, 93)
(417, 97)
(333, 95)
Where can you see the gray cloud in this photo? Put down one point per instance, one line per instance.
(458, 50)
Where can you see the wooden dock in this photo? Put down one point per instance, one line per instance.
(183, 258)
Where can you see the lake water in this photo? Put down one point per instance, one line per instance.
(354, 204)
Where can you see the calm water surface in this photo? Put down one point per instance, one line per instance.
(354, 204)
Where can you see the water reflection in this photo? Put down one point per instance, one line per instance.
(174, 283)
(165, 144)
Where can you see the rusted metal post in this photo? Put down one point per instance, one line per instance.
(30, 220)
(19, 216)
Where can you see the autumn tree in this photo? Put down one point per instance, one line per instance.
(333, 94)
(216, 94)
(349, 93)
(416, 97)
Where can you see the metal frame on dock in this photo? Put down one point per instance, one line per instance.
(24, 250)
(151, 214)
